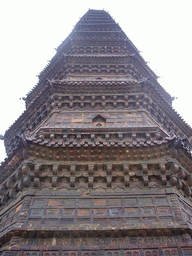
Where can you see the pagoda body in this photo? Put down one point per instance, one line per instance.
(99, 163)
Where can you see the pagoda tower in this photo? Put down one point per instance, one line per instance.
(99, 164)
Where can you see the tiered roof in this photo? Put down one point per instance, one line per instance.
(97, 69)
(98, 152)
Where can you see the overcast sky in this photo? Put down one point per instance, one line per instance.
(31, 29)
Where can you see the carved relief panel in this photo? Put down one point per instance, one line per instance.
(92, 119)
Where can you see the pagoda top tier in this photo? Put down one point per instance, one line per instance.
(96, 43)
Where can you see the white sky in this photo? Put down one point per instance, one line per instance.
(31, 29)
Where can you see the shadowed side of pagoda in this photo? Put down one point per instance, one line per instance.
(99, 163)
